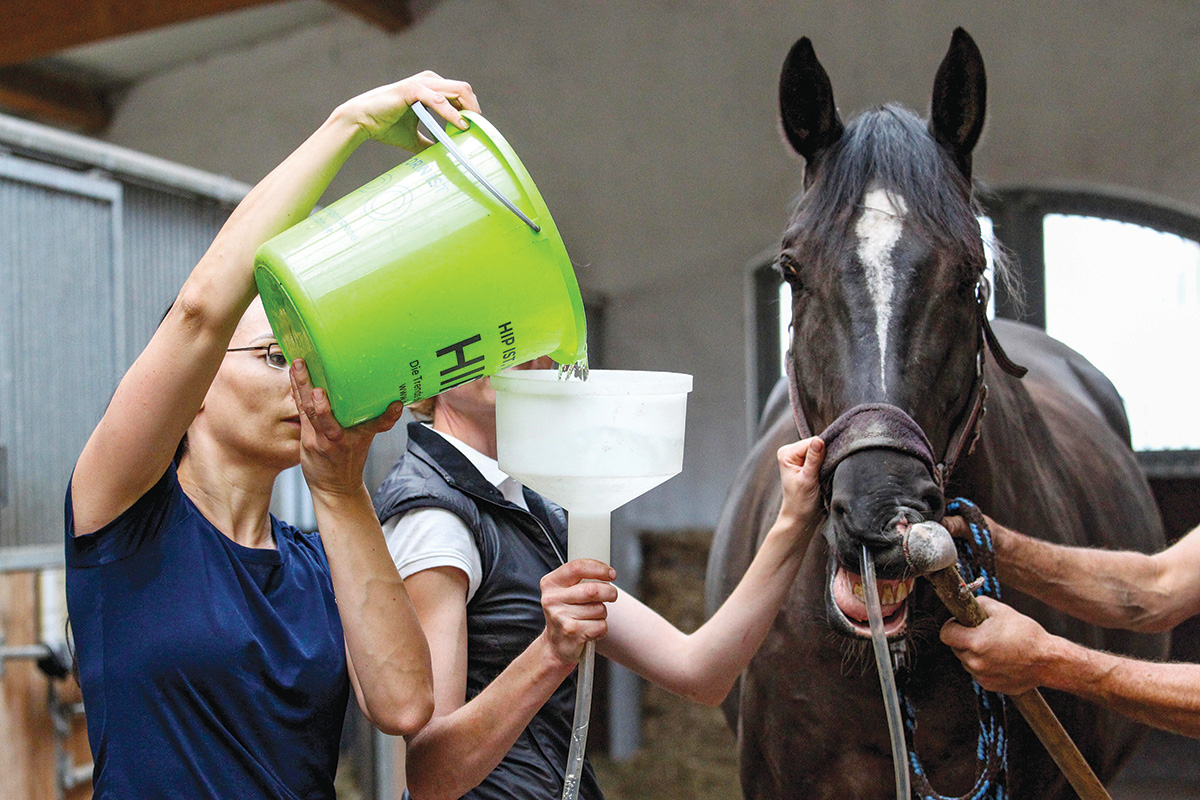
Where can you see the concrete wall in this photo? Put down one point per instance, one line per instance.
(651, 128)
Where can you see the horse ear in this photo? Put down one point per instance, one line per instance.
(810, 119)
(959, 99)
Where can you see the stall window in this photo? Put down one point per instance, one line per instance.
(1127, 297)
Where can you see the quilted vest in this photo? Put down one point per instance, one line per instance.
(516, 548)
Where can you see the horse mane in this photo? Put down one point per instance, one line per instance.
(891, 148)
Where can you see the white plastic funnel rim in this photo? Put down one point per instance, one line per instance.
(600, 383)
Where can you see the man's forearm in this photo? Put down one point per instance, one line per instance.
(1110, 588)
(1163, 695)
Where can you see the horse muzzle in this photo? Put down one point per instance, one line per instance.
(875, 496)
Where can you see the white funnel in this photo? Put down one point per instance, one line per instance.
(592, 445)
(589, 446)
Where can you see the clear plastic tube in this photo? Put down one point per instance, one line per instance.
(579, 730)
(887, 681)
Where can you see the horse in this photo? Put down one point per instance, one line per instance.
(892, 349)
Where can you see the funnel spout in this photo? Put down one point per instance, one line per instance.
(589, 535)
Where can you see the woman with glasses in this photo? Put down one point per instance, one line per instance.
(216, 645)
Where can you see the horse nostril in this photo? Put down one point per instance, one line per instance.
(904, 518)
(935, 502)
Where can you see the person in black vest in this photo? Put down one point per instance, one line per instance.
(507, 620)
(217, 645)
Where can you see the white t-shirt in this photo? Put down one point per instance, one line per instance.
(425, 538)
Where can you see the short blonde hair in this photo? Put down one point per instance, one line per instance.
(423, 409)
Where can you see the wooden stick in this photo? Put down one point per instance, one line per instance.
(949, 585)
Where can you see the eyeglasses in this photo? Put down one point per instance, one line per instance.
(274, 355)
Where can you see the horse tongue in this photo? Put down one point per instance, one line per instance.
(843, 595)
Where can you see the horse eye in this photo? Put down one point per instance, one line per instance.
(788, 268)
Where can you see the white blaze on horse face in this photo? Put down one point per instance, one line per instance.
(878, 228)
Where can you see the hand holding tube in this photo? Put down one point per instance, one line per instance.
(573, 602)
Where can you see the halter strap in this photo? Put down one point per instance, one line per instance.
(1005, 363)
(966, 433)
(874, 426)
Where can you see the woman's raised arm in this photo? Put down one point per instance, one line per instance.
(161, 393)
(702, 666)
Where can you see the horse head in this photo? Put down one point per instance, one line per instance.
(885, 260)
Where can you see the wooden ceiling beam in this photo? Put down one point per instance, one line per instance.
(36, 28)
(38, 95)
(392, 16)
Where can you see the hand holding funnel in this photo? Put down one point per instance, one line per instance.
(590, 446)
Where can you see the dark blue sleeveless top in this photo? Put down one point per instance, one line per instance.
(209, 669)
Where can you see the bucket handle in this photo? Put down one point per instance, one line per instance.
(445, 140)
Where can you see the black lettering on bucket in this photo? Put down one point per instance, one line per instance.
(463, 369)
(508, 338)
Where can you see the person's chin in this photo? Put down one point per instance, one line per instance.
(287, 446)
(288, 457)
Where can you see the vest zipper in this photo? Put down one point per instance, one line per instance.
(514, 507)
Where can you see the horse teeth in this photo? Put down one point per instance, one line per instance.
(890, 592)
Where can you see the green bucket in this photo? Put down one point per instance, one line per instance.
(422, 280)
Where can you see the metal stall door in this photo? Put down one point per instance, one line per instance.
(61, 333)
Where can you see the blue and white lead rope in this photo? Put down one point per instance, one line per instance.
(976, 559)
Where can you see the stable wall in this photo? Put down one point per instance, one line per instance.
(651, 129)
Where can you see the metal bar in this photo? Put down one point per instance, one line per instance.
(624, 685)
(761, 293)
(767, 360)
(46, 142)
(34, 651)
(3, 476)
(77, 775)
(68, 774)
(1017, 225)
(119, 292)
(1124, 204)
(1170, 463)
(83, 184)
(31, 558)
(23, 651)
